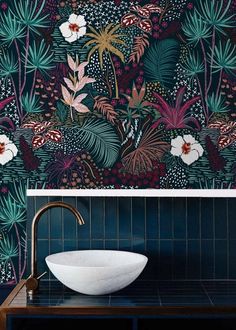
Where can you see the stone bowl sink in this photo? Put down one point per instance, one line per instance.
(96, 272)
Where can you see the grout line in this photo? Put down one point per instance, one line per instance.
(159, 232)
(76, 225)
(104, 220)
(227, 227)
(49, 233)
(186, 238)
(131, 223)
(136, 239)
(63, 226)
(214, 241)
(173, 237)
(90, 222)
(118, 221)
(159, 295)
(145, 224)
(206, 293)
(200, 237)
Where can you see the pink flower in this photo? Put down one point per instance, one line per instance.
(155, 19)
(4, 190)
(122, 101)
(4, 6)
(156, 35)
(139, 80)
(119, 72)
(113, 103)
(164, 24)
(156, 27)
(190, 5)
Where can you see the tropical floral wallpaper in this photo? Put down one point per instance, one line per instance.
(112, 94)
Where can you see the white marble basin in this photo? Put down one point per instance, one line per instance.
(96, 272)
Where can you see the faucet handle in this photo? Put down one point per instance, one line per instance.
(32, 283)
(40, 276)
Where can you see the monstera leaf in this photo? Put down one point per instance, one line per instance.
(100, 139)
(160, 62)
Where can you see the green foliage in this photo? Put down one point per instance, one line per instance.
(62, 111)
(215, 14)
(216, 103)
(193, 65)
(30, 103)
(40, 58)
(8, 65)
(8, 249)
(61, 47)
(11, 213)
(18, 192)
(29, 15)
(100, 139)
(224, 57)
(195, 28)
(160, 61)
(11, 29)
(214, 184)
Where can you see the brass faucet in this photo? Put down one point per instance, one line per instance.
(33, 280)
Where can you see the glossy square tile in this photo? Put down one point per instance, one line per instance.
(193, 218)
(220, 212)
(179, 218)
(98, 219)
(152, 218)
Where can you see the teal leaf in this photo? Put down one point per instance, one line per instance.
(100, 139)
(160, 62)
(62, 111)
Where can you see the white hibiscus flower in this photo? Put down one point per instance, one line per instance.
(8, 150)
(187, 148)
(74, 28)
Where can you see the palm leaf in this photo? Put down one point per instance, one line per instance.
(8, 249)
(150, 148)
(160, 62)
(11, 213)
(100, 139)
(103, 106)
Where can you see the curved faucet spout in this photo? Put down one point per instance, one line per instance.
(34, 232)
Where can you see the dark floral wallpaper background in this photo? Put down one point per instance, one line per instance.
(112, 94)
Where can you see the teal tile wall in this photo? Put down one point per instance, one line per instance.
(184, 238)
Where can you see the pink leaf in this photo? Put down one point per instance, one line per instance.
(179, 97)
(85, 80)
(80, 69)
(81, 108)
(71, 63)
(54, 135)
(66, 95)
(7, 124)
(4, 102)
(38, 141)
(79, 99)
(69, 84)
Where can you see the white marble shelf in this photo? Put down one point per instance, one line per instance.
(226, 193)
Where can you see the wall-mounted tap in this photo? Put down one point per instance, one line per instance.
(33, 280)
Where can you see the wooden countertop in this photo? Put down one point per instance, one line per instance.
(150, 298)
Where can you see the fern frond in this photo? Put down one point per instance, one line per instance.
(105, 108)
(150, 148)
(140, 44)
(100, 139)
